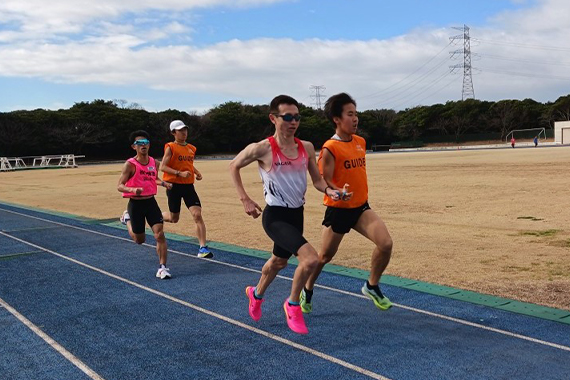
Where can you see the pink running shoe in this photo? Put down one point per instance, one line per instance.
(295, 319)
(254, 304)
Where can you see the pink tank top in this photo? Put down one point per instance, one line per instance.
(145, 177)
(285, 183)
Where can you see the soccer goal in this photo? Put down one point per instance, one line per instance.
(528, 134)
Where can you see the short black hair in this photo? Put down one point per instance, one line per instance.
(335, 104)
(139, 133)
(281, 99)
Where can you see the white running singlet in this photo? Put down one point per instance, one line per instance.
(285, 183)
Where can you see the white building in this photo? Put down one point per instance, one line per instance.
(562, 132)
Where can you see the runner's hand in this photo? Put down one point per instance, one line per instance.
(198, 176)
(345, 195)
(184, 174)
(251, 208)
(332, 194)
(137, 190)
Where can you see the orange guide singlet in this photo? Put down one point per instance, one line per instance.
(183, 160)
(349, 167)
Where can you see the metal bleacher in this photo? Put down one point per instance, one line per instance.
(36, 162)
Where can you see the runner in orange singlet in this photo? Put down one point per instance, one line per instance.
(342, 162)
(179, 170)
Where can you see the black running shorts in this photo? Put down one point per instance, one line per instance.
(343, 220)
(141, 209)
(182, 191)
(285, 227)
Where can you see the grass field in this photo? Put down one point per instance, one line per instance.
(493, 221)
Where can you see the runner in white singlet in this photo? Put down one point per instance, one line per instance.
(285, 183)
(283, 164)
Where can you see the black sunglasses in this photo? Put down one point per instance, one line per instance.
(289, 117)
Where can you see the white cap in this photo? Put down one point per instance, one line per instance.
(177, 124)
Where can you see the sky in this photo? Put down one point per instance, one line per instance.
(192, 55)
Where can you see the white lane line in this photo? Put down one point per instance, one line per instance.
(234, 322)
(464, 322)
(413, 309)
(49, 340)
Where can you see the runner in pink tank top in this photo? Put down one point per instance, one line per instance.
(138, 182)
(144, 177)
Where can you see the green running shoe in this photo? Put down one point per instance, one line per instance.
(382, 303)
(306, 307)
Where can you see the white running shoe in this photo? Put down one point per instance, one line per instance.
(163, 273)
(125, 217)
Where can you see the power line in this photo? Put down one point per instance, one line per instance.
(409, 86)
(527, 46)
(407, 76)
(528, 75)
(453, 79)
(423, 89)
(407, 95)
(503, 58)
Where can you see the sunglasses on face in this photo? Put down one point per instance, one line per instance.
(141, 142)
(289, 117)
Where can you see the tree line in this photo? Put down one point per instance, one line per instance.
(100, 129)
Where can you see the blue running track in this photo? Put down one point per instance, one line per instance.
(79, 300)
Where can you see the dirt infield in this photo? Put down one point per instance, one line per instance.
(492, 221)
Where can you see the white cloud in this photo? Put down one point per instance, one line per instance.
(523, 42)
(45, 19)
(258, 68)
(114, 54)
